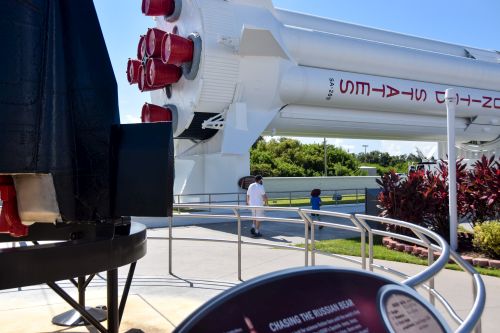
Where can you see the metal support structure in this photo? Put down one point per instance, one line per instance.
(451, 100)
(72, 317)
(101, 248)
(112, 288)
(59, 291)
(81, 290)
(114, 311)
(170, 222)
(126, 290)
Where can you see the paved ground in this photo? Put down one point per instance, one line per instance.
(159, 301)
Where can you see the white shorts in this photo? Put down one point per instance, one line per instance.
(258, 212)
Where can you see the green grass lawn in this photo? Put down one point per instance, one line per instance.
(352, 247)
(296, 202)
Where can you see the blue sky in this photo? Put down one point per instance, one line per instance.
(471, 23)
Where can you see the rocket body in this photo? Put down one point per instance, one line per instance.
(264, 70)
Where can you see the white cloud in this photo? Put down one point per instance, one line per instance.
(407, 147)
(130, 119)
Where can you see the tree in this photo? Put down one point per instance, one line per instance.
(290, 158)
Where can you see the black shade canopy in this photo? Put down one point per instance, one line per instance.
(59, 103)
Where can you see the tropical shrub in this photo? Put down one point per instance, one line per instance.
(487, 238)
(422, 198)
(435, 187)
(481, 196)
(402, 199)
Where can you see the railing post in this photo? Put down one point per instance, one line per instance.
(170, 218)
(363, 246)
(367, 227)
(178, 201)
(313, 247)
(477, 328)
(306, 236)
(357, 196)
(430, 261)
(362, 232)
(366, 200)
(290, 197)
(238, 216)
(370, 249)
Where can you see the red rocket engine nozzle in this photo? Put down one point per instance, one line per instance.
(142, 82)
(141, 47)
(176, 50)
(158, 7)
(153, 113)
(160, 74)
(10, 222)
(154, 38)
(133, 70)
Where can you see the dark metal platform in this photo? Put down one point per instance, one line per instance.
(110, 248)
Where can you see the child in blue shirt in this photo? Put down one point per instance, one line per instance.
(316, 202)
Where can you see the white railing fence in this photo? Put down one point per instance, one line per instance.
(360, 223)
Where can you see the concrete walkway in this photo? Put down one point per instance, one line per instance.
(158, 301)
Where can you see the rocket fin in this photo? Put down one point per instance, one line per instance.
(260, 43)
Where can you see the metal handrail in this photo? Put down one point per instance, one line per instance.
(432, 270)
(240, 197)
(359, 224)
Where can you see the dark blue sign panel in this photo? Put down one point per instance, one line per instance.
(316, 300)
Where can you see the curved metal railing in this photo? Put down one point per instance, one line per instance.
(358, 223)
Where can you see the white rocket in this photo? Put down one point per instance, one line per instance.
(230, 71)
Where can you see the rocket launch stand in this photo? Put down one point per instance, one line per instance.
(97, 248)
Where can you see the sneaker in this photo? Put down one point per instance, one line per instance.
(257, 235)
(252, 231)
